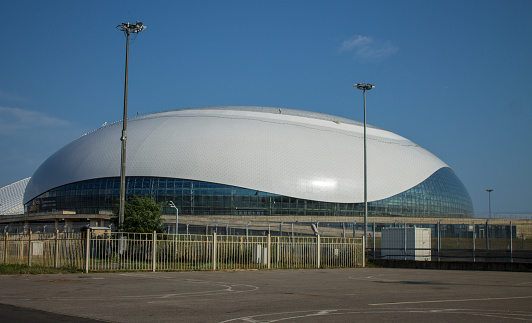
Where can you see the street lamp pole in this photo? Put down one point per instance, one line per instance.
(171, 204)
(365, 87)
(489, 202)
(128, 29)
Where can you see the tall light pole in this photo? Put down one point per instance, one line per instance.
(128, 29)
(171, 204)
(489, 202)
(365, 87)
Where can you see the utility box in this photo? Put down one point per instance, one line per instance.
(260, 254)
(406, 244)
(37, 248)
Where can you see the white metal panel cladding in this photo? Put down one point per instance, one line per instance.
(11, 198)
(288, 152)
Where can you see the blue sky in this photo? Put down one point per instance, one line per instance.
(453, 76)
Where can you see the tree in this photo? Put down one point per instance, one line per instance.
(141, 215)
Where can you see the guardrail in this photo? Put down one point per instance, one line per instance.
(91, 251)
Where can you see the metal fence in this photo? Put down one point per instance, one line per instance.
(475, 243)
(114, 251)
(43, 249)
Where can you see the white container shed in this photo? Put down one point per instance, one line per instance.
(406, 244)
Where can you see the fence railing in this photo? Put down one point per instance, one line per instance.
(90, 251)
(462, 255)
(48, 249)
(469, 248)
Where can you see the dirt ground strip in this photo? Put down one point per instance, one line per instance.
(338, 295)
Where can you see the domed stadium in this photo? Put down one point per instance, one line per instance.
(249, 161)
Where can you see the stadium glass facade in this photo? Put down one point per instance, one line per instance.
(440, 195)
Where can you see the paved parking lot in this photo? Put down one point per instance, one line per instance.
(339, 295)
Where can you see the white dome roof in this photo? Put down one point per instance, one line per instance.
(282, 151)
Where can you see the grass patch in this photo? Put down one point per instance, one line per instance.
(18, 269)
(371, 263)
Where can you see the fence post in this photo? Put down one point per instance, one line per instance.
(278, 254)
(405, 244)
(214, 251)
(5, 247)
(511, 244)
(154, 251)
(374, 248)
(474, 259)
(87, 249)
(438, 243)
(487, 237)
(343, 230)
(318, 251)
(56, 252)
(269, 251)
(363, 251)
(29, 249)
(292, 230)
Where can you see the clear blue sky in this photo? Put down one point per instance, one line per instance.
(453, 76)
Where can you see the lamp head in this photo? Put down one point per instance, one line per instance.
(364, 86)
(128, 28)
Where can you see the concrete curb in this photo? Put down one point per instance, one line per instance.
(454, 265)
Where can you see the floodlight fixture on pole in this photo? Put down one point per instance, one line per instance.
(365, 87)
(171, 204)
(128, 29)
(489, 202)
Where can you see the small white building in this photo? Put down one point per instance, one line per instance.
(406, 244)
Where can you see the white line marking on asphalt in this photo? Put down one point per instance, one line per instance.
(220, 288)
(380, 277)
(454, 300)
(502, 316)
(283, 316)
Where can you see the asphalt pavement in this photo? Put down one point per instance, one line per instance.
(317, 295)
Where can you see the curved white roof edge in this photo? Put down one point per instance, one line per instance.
(11, 197)
(289, 152)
